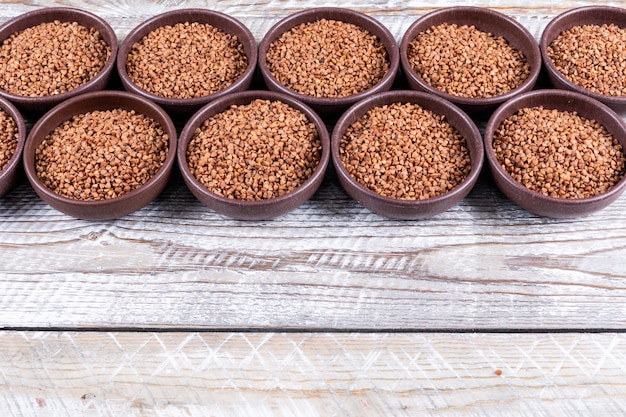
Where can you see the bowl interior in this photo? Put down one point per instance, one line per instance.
(258, 209)
(410, 209)
(100, 100)
(485, 20)
(62, 14)
(587, 15)
(10, 172)
(561, 100)
(216, 19)
(330, 104)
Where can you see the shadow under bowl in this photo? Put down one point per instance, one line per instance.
(399, 208)
(565, 101)
(13, 169)
(265, 209)
(98, 101)
(586, 15)
(62, 14)
(224, 22)
(485, 20)
(330, 106)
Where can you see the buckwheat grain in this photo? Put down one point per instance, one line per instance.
(256, 151)
(406, 152)
(558, 153)
(593, 57)
(51, 58)
(101, 154)
(466, 62)
(186, 60)
(327, 58)
(8, 138)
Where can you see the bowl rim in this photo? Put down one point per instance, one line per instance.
(511, 106)
(425, 100)
(212, 17)
(54, 115)
(585, 13)
(411, 33)
(342, 14)
(64, 14)
(223, 103)
(16, 159)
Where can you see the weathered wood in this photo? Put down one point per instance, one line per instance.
(329, 264)
(485, 264)
(272, 374)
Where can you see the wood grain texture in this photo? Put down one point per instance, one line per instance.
(330, 264)
(287, 374)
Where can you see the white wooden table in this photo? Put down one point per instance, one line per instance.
(329, 310)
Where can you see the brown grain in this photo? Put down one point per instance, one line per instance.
(101, 154)
(327, 58)
(558, 153)
(51, 58)
(466, 62)
(256, 151)
(405, 151)
(8, 138)
(593, 57)
(186, 60)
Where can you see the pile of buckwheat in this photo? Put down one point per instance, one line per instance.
(8, 138)
(328, 58)
(256, 151)
(51, 58)
(466, 62)
(406, 152)
(558, 153)
(593, 57)
(186, 60)
(101, 154)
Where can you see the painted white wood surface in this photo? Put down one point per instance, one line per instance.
(330, 264)
(311, 374)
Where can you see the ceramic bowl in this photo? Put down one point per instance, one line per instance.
(216, 19)
(63, 14)
(485, 20)
(259, 209)
(400, 208)
(13, 169)
(330, 106)
(114, 207)
(587, 15)
(536, 202)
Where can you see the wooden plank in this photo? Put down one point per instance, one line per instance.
(484, 264)
(326, 374)
(329, 264)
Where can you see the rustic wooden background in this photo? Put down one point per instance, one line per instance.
(329, 310)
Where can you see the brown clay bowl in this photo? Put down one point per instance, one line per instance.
(266, 209)
(587, 15)
(216, 19)
(485, 20)
(536, 202)
(400, 208)
(330, 106)
(63, 14)
(102, 209)
(12, 170)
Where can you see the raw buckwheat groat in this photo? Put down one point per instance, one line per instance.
(405, 151)
(256, 151)
(51, 58)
